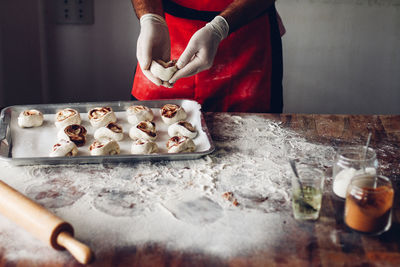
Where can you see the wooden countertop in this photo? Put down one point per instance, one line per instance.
(326, 242)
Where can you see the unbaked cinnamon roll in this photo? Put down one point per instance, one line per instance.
(143, 146)
(67, 117)
(111, 130)
(64, 148)
(30, 118)
(143, 130)
(182, 128)
(76, 133)
(178, 144)
(171, 113)
(101, 116)
(163, 70)
(104, 147)
(138, 113)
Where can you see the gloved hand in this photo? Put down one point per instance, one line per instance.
(201, 49)
(153, 43)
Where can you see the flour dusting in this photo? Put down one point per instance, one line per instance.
(178, 204)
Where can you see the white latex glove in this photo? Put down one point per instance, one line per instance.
(200, 52)
(153, 43)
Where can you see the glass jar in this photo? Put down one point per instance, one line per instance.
(368, 206)
(307, 191)
(349, 162)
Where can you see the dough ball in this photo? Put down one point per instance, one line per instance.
(143, 130)
(101, 116)
(143, 146)
(76, 133)
(182, 128)
(67, 117)
(163, 70)
(171, 113)
(30, 118)
(138, 113)
(178, 144)
(64, 148)
(111, 130)
(104, 147)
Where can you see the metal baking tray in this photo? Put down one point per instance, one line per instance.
(6, 142)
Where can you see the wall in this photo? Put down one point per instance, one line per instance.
(45, 62)
(341, 56)
(2, 96)
(93, 62)
(20, 52)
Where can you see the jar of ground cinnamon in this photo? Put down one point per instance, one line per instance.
(368, 206)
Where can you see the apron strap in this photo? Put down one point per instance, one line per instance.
(188, 13)
(179, 11)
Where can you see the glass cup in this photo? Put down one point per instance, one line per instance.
(368, 205)
(307, 193)
(349, 162)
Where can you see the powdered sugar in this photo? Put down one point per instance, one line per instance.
(178, 204)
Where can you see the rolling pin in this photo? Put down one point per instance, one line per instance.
(40, 222)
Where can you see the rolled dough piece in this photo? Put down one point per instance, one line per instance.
(182, 128)
(143, 130)
(171, 113)
(111, 130)
(143, 146)
(163, 70)
(138, 113)
(64, 148)
(76, 133)
(30, 118)
(104, 147)
(67, 117)
(101, 116)
(178, 144)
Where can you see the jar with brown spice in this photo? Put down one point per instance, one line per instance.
(368, 206)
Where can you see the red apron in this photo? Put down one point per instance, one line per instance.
(246, 75)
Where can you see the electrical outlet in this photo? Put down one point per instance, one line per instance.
(75, 12)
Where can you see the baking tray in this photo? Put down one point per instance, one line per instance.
(8, 130)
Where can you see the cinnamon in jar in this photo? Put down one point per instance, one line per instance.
(368, 206)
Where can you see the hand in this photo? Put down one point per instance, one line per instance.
(153, 43)
(201, 49)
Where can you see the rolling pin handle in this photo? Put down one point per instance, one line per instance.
(80, 251)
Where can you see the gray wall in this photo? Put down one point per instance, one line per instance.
(45, 62)
(93, 62)
(2, 96)
(20, 52)
(340, 56)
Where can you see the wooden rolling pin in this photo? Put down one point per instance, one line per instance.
(43, 224)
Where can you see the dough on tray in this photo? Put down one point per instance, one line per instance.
(171, 113)
(67, 117)
(101, 116)
(178, 144)
(143, 130)
(30, 118)
(163, 70)
(104, 147)
(138, 113)
(111, 130)
(144, 146)
(64, 148)
(76, 133)
(182, 128)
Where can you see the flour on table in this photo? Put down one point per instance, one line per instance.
(178, 204)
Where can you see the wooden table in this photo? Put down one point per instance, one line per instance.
(326, 242)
